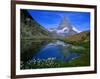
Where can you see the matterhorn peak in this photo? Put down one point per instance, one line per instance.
(64, 23)
(65, 28)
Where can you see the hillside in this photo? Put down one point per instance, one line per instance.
(82, 37)
(30, 28)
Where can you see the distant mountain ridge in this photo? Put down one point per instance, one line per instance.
(30, 27)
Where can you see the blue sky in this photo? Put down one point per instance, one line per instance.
(51, 19)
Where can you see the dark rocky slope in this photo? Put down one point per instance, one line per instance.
(30, 28)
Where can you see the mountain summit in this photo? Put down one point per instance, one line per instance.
(65, 28)
(64, 23)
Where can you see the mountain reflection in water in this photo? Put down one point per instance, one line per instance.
(42, 50)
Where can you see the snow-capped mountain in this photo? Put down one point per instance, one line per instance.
(65, 28)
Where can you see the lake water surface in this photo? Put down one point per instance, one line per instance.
(56, 50)
(52, 53)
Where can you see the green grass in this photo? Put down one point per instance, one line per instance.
(84, 59)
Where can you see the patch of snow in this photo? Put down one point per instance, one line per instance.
(76, 29)
(63, 30)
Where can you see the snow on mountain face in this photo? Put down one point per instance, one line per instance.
(65, 28)
(76, 30)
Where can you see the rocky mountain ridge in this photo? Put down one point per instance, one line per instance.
(65, 28)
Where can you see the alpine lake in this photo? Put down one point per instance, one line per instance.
(37, 54)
